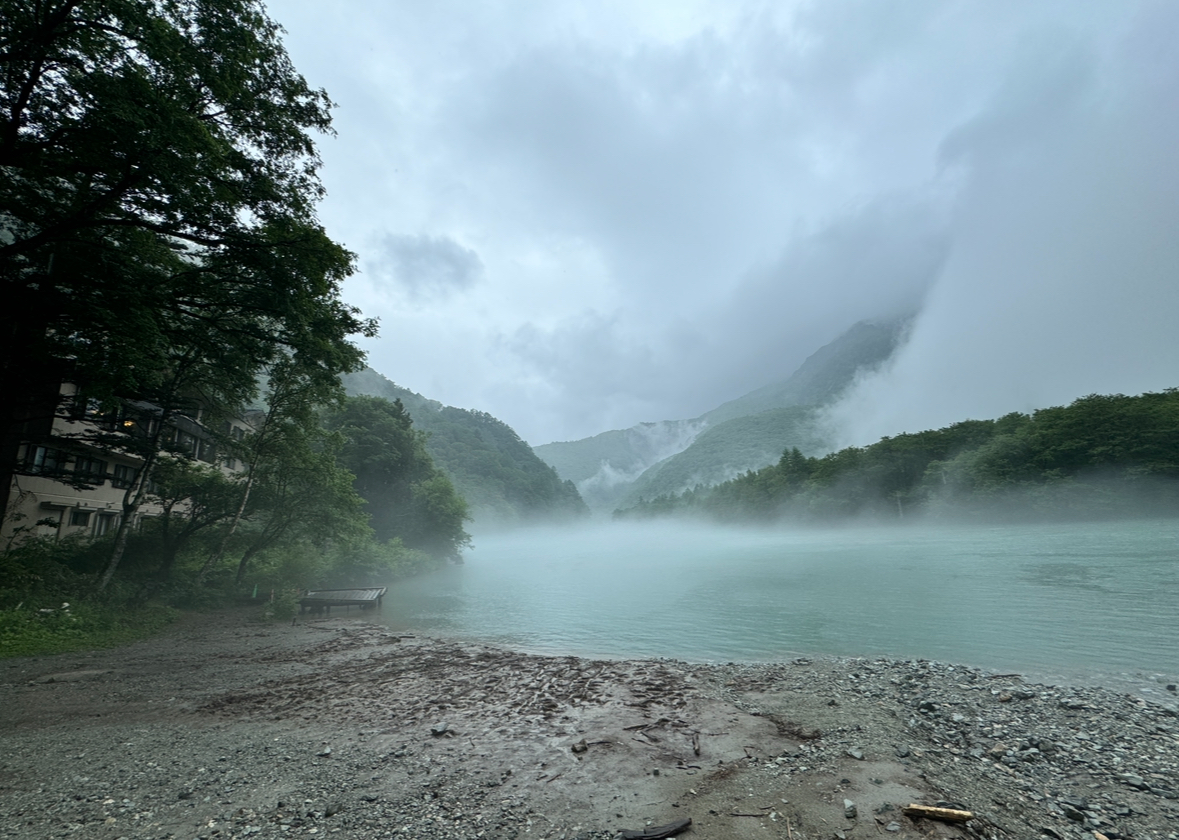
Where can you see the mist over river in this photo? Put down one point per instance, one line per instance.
(1077, 601)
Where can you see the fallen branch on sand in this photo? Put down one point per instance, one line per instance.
(944, 814)
(656, 832)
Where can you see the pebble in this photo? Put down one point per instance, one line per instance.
(1071, 762)
(1067, 758)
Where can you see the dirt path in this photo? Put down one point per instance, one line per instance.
(228, 728)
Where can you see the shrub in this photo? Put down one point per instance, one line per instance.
(31, 630)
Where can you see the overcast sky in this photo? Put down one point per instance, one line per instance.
(582, 215)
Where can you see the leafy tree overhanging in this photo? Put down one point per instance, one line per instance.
(158, 237)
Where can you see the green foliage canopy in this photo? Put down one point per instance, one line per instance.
(497, 473)
(158, 237)
(407, 497)
(161, 184)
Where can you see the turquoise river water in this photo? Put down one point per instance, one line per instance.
(1078, 601)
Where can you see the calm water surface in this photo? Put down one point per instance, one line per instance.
(1046, 600)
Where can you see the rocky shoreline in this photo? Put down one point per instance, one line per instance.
(226, 728)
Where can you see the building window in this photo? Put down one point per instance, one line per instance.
(106, 521)
(124, 476)
(105, 417)
(41, 460)
(79, 518)
(185, 442)
(205, 451)
(135, 422)
(81, 407)
(90, 470)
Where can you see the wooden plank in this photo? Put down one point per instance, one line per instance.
(325, 599)
(944, 814)
(354, 595)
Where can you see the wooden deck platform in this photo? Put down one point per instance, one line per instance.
(322, 600)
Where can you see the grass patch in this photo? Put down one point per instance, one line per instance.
(49, 601)
(35, 631)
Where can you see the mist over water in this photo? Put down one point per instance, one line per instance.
(1074, 601)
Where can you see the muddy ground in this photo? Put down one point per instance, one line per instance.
(225, 727)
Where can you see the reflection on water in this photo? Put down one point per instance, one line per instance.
(1059, 599)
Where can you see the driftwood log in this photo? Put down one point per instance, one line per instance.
(944, 814)
(656, 832)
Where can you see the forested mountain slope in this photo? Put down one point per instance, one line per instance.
(1100, 456)
(652, 459)
(501, 478)
(728, 449)
(605, 465)
(825, 374)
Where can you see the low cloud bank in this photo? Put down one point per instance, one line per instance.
(1062, 277)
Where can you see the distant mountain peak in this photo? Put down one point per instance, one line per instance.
(617, 464)
(825, 374)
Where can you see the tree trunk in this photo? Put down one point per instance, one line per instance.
(258, 445)
(245, 561)
(216, 556)
(169, 546)
(30, 378)
(132, 499)
(169, 560)
(25, 417)
(120, 546)
(269, 536)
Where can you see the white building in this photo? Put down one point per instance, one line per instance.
(66, 485)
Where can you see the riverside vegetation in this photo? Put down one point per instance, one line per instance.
(498, 474)
(355, 501)
(1111, 456)
(160, 252)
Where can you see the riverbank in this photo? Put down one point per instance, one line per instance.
(223, 727)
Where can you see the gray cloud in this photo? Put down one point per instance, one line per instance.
(1063, 276)
(876, 261)
(426, 266)
(673, 203)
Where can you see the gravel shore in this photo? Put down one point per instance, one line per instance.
(227, 728)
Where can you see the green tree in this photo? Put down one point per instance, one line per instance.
(302, 493)
(1101, 455)
(407, 496)
(193, 497)
(158, 238)
(279, 433)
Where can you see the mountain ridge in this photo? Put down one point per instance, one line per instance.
(621, 466)
(498, 473)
